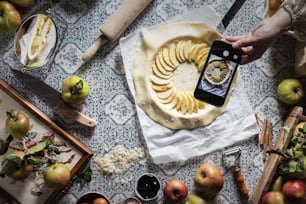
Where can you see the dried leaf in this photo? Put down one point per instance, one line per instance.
(37, 148)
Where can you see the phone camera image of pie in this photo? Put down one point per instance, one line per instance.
(217, 72)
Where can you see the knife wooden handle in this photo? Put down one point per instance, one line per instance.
(116, 24)
(75, 115)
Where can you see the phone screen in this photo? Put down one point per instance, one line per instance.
(217, 76)
(218, 73)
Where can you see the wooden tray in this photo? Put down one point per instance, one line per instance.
(282, 143)
(19, 192)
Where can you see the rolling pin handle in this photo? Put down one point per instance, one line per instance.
(116, 24)
(91, 51)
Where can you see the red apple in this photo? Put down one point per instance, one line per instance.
(57, 176)
(294, 190)
(273, 197)
(208, 180)
(175, 191)
(196, 199)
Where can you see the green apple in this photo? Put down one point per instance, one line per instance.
(9, 17)
(17, 123)
(75, 90)
(290, 91)
(57, 176)
(196, 199)
(23, 3)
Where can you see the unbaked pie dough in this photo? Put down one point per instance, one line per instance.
(167, 67)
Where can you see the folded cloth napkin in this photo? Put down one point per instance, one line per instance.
(236, 123)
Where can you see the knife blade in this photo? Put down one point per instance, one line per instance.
(228, 17)
(116, 24)
(53, 97)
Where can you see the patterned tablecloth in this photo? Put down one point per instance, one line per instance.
(111, 104)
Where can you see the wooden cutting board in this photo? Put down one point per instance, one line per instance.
(271, 166)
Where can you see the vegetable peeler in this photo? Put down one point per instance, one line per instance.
(230, 159)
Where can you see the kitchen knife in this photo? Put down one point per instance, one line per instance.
(229, 15)
(53, 97)
(116, 24)
(74, 115)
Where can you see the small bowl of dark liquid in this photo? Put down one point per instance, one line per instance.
(147, 187)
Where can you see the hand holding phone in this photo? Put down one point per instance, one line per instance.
(218, 73)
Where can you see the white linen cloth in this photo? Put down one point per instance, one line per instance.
(237, 123)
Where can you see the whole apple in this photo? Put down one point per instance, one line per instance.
(57, 176)
(175, 191)
(23, 3)
(273, 197)
(17, 123)
(9, 17)
(196, 199)
(208, 180)
(294, 190)
(75, 90)
(290, 91)
(17, 172)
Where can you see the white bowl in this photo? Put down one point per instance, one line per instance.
(152, 194)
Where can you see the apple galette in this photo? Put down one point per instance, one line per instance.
(167, 67)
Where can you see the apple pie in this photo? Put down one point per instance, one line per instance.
(168, 64)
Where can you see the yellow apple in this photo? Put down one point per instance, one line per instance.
(298, 127)
(57, 176)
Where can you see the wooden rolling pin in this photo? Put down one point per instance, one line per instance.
(116, 24)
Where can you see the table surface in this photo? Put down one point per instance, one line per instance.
(111, 104)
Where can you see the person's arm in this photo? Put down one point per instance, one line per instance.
(290, 15)
(262, 36)
(297, 12)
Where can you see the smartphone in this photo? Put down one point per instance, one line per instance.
(218, 73)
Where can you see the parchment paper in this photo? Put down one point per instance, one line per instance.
(237, 123)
